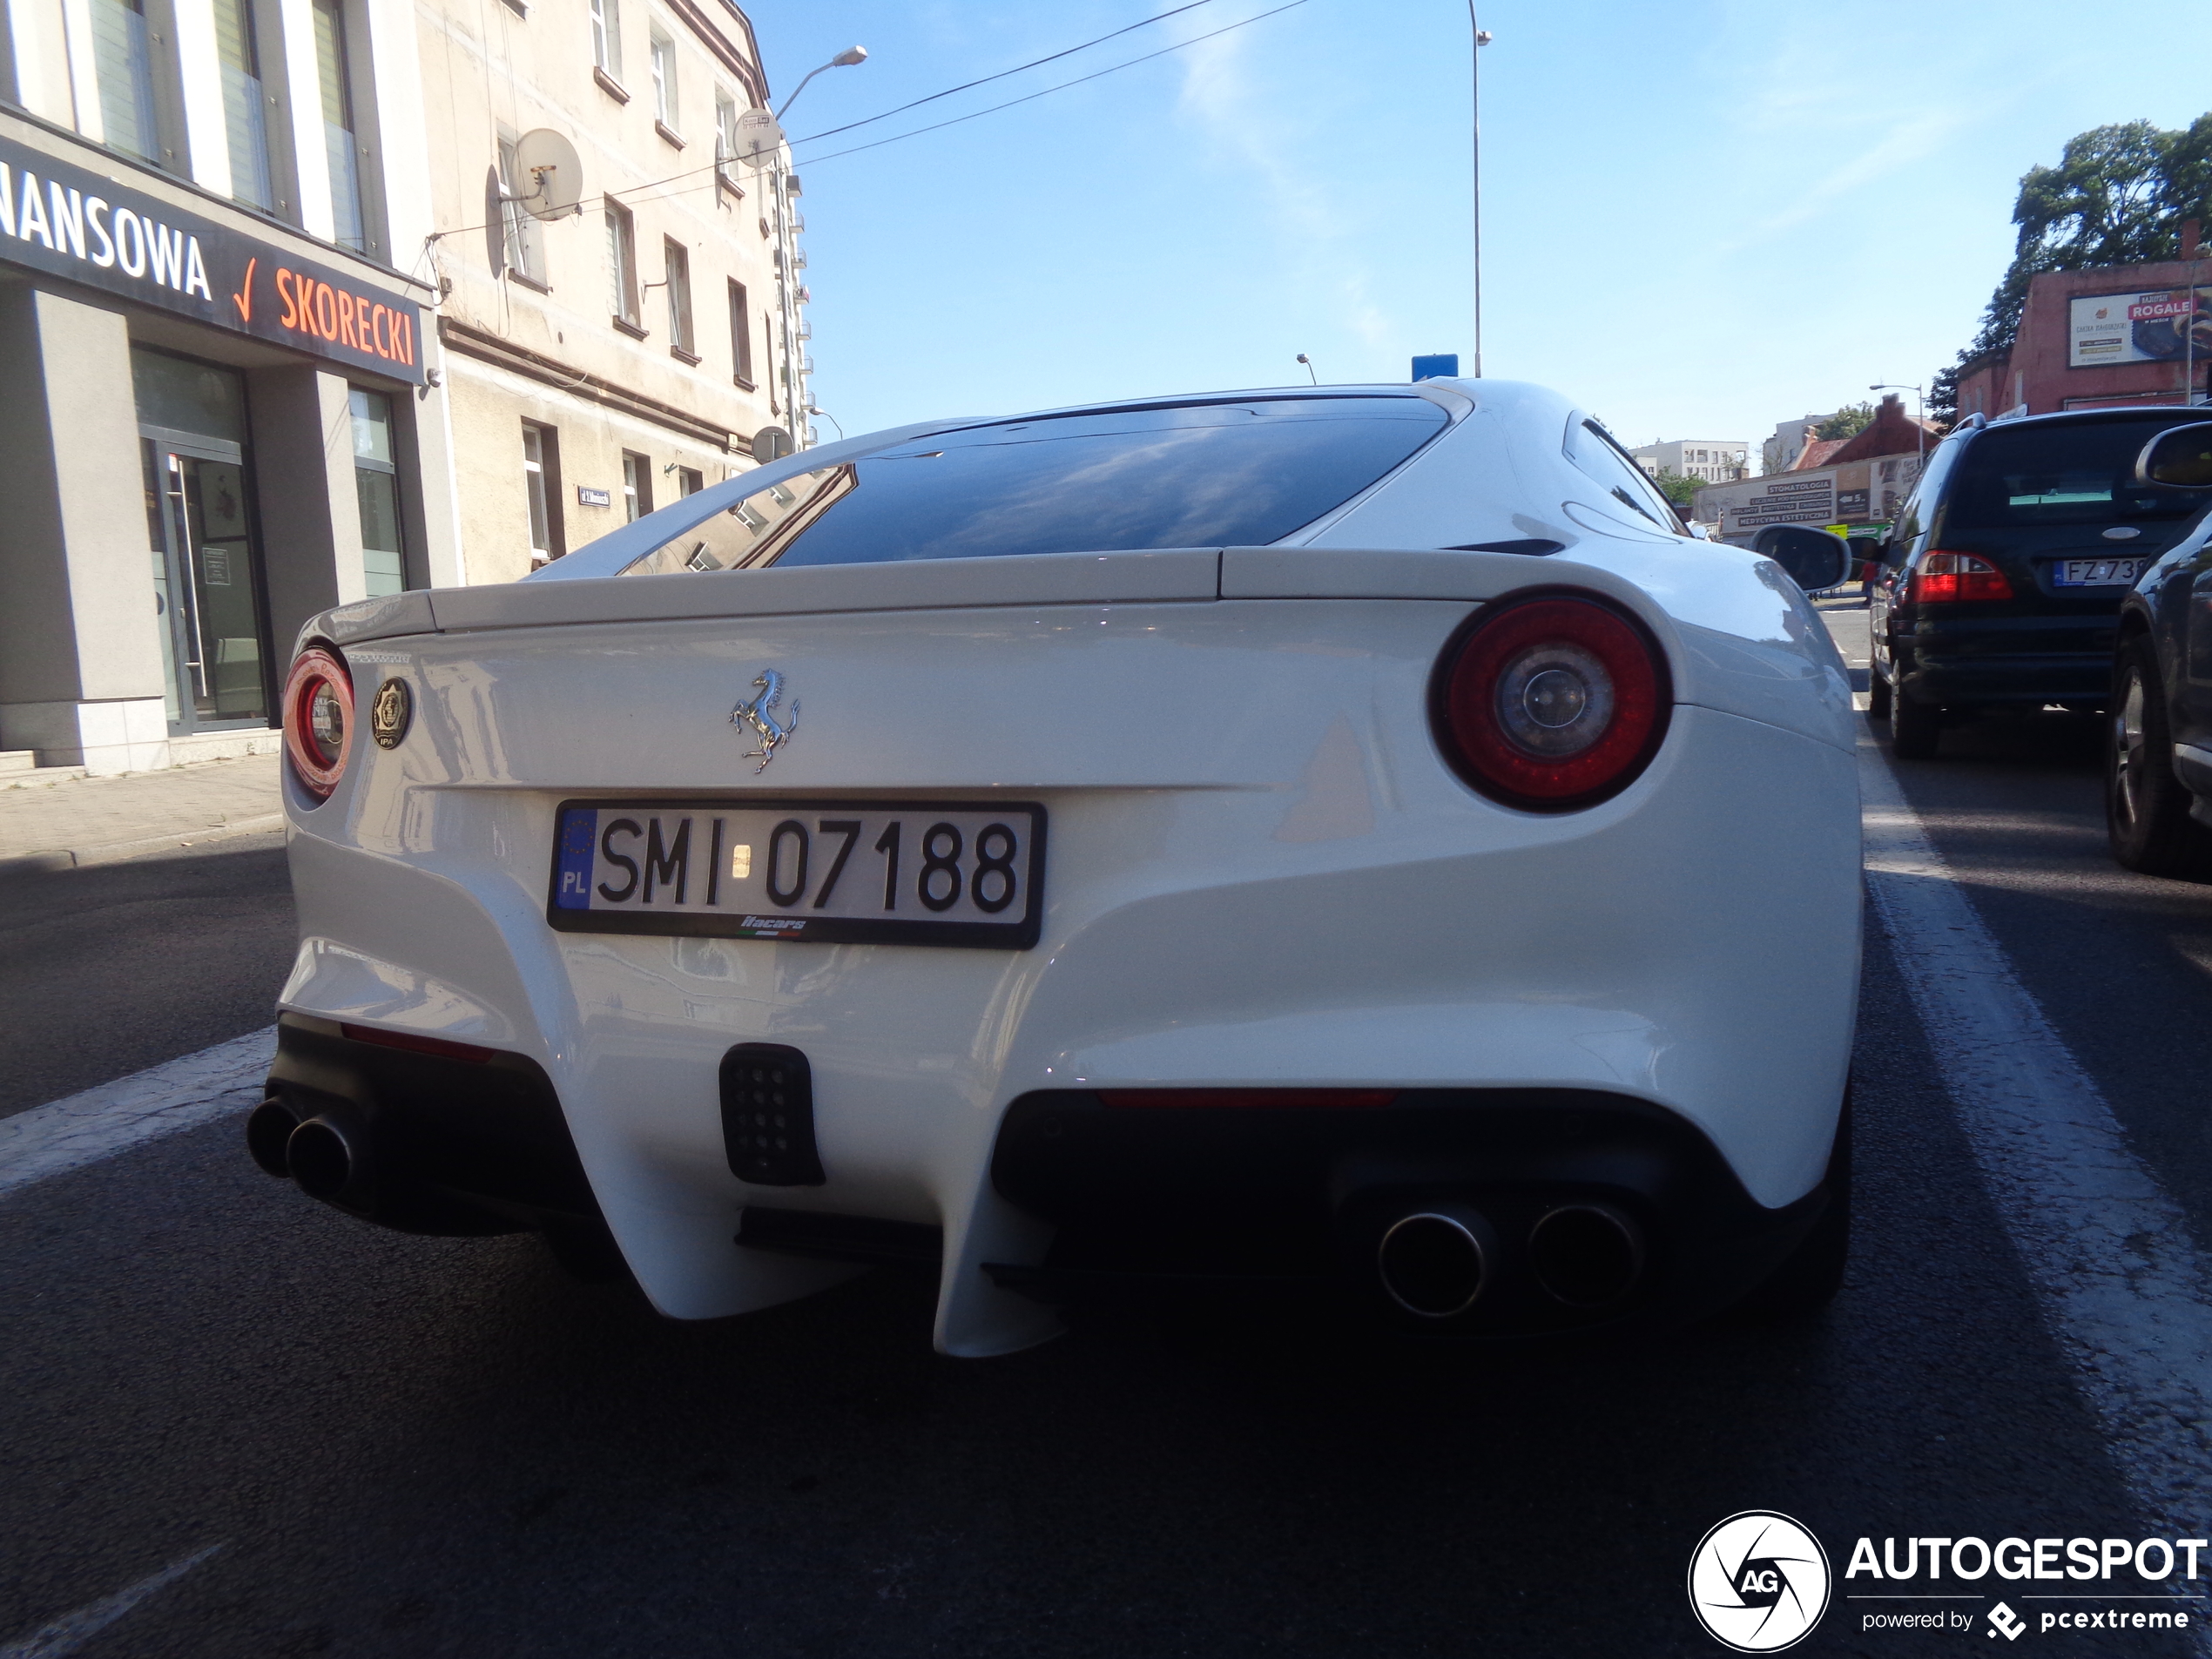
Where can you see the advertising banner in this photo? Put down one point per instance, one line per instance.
(1785, 498)
(2150, 328)
(68, 222)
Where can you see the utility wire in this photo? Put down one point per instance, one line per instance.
(1003, 74)
(1062, 87)
(715, 167)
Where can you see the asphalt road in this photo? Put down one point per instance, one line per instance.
(107, 970)
(423, 1447)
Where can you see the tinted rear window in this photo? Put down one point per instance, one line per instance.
(2061, 475)
(1215, 474)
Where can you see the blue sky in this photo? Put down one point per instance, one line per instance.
(1699, 219)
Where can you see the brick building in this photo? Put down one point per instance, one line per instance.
(2089, 338)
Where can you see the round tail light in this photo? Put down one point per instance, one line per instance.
(318, 720)
(1551, 702)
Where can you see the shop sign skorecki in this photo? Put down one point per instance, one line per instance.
(71, 222)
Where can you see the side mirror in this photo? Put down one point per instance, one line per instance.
(2180, 458)
(1815, 559)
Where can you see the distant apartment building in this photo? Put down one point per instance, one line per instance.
(610, 359)
(272, 260)
(1783, 451)
(1714, 461)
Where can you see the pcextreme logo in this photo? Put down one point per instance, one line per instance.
(1759, 1581)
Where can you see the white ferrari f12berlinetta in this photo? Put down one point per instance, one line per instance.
(1331, 845)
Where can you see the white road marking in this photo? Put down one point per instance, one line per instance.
(83, 1128)
(2123, 1285)
(70, 1631)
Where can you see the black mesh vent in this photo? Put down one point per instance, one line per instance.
(768, 1115)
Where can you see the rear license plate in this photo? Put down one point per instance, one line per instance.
(2096, 573)
(909, 872)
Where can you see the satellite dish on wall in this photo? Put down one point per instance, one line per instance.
(759, 138)
(771, 443)
(548, 177)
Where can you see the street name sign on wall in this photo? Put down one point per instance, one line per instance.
(71, 222)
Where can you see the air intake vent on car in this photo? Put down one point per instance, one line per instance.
(768, 1115)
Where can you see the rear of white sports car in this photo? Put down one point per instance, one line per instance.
(1283, 846)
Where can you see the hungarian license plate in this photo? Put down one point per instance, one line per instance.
(2096, 573)
(910, 873)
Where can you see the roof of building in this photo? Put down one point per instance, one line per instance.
(1893, 432)
(1816, 453)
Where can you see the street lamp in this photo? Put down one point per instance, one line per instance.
(1920, 399)
(845, 59)
(1308, 361)
(1474, 126)
(782, 186)
(816, 408)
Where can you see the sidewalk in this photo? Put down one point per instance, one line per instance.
(73, 821)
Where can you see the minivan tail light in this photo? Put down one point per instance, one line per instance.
(318, 720)
(1551, 702)
(1947, 577)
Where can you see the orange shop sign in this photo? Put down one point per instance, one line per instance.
(91, 228)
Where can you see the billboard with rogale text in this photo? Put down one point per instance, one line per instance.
(2149, 328)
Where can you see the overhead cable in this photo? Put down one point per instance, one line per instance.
(1062, 87)
(1003, 74)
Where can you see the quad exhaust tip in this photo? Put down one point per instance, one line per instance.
(1586, 1255)
(328, 1158)
(326, 1155)
(267, 1131)
(1435, 1262)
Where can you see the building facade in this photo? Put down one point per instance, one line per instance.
(1854, 484)
(1712, 459)
(609, 358)
(224, 415)
(2099, 338)
(273, 260)
(1780, 452)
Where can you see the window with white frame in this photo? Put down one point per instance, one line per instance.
(621, 264)
(525, 251)
(676, 263)
(636, 485)
(740, 336)
(663, 55)
(725, 138)
(541, 486)
(606, 36)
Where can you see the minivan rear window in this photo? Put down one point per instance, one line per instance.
(2065, 473)
(1228, 474)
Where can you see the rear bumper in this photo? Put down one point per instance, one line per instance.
(1691, 944)
(1254, 1203)
(2008, 660)
(456, 1148)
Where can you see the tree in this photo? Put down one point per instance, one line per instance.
(2118, 196)
(1847, 422)
(1676, 488)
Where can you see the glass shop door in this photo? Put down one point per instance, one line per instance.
(207, 584)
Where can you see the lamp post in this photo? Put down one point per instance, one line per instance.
(1474, 128)
(845, 59)
(1920, 400)
(796, 401)
(1308, 361)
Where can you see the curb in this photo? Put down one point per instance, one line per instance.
(81, 858)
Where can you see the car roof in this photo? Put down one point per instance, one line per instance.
(2091, 417)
